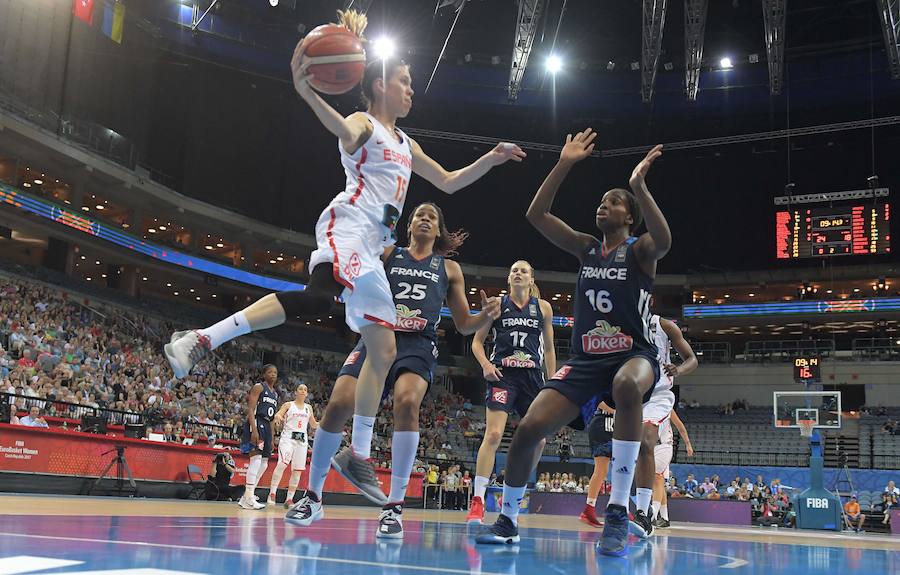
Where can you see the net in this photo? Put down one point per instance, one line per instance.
(806, 427)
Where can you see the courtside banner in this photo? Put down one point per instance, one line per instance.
(58, 452)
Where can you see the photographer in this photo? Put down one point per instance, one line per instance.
(220, 476)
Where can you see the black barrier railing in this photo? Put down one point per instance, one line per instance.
(101, 416)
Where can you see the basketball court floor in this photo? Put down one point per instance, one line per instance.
(51, 534)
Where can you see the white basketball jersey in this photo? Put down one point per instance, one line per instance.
(665, 432)
(378, 175)
(297, 418)
(663, 354)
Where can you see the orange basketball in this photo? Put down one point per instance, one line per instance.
(337, 59)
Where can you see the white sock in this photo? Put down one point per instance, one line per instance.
(361, 440)
(252, 469)
(403, 454)
(644, 495)
(293, 482)
(592, 501)
(325, 446)
(656, 505)
(276, 478)
(226, 330)
(624, 460)
(664, 511)
(481, 484)
(512, 497)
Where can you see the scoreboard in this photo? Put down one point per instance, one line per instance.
(807, 369)
(837, 231)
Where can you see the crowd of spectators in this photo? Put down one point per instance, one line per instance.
(562, 483)
(64, 357)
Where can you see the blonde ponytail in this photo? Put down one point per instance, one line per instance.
(533, 291)
(353, 21)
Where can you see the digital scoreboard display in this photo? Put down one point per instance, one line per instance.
(807, 370)
(839, 231)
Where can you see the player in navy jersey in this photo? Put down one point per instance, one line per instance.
(421, 279)
(612, 347)
(600, 435)
(514, 373)
(256, 436)
(378, 159)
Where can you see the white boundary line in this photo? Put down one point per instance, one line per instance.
(419, 568)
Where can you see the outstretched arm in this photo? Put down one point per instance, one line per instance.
(465, 322)
(352, 131)
(450, 182)
(653, 245)
(682, 431)
(549, 347)
(682, 347)
(279, 415)
(490, 371)
(313, 422)
(551, 227)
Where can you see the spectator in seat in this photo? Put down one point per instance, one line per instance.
(892, 488)
(33, 419)
(776, 486)
(888, 502)
(852, 516)
(707, 487)
(690, 485)
(760, 482)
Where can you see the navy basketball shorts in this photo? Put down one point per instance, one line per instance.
(415, 353)
(515, 391)
(265, 436)
(588, 381)
(599, 439)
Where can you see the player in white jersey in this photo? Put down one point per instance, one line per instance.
(656, 413)
(351, 233)
(662, 456)
(297, 420)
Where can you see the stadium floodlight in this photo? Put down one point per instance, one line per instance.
(726, 64)
(384, 47)
(554, 64)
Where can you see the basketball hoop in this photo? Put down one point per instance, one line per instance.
(806, 427)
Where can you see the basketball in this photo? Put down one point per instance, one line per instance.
(337, 59)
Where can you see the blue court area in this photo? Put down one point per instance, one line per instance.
(264, 544)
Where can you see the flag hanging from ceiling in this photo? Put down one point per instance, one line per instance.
(113, 21)
(83, 10)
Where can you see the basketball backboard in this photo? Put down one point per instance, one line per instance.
(821, 407)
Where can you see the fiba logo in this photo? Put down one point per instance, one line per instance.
(816, 503)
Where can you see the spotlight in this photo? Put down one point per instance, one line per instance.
(554, 64)
(610, 65)
(872, 182)
(635, 66)
(495, 60)
(669, 66)
(725, 64)
(753, 58)
(273, 3)
(383, 48)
